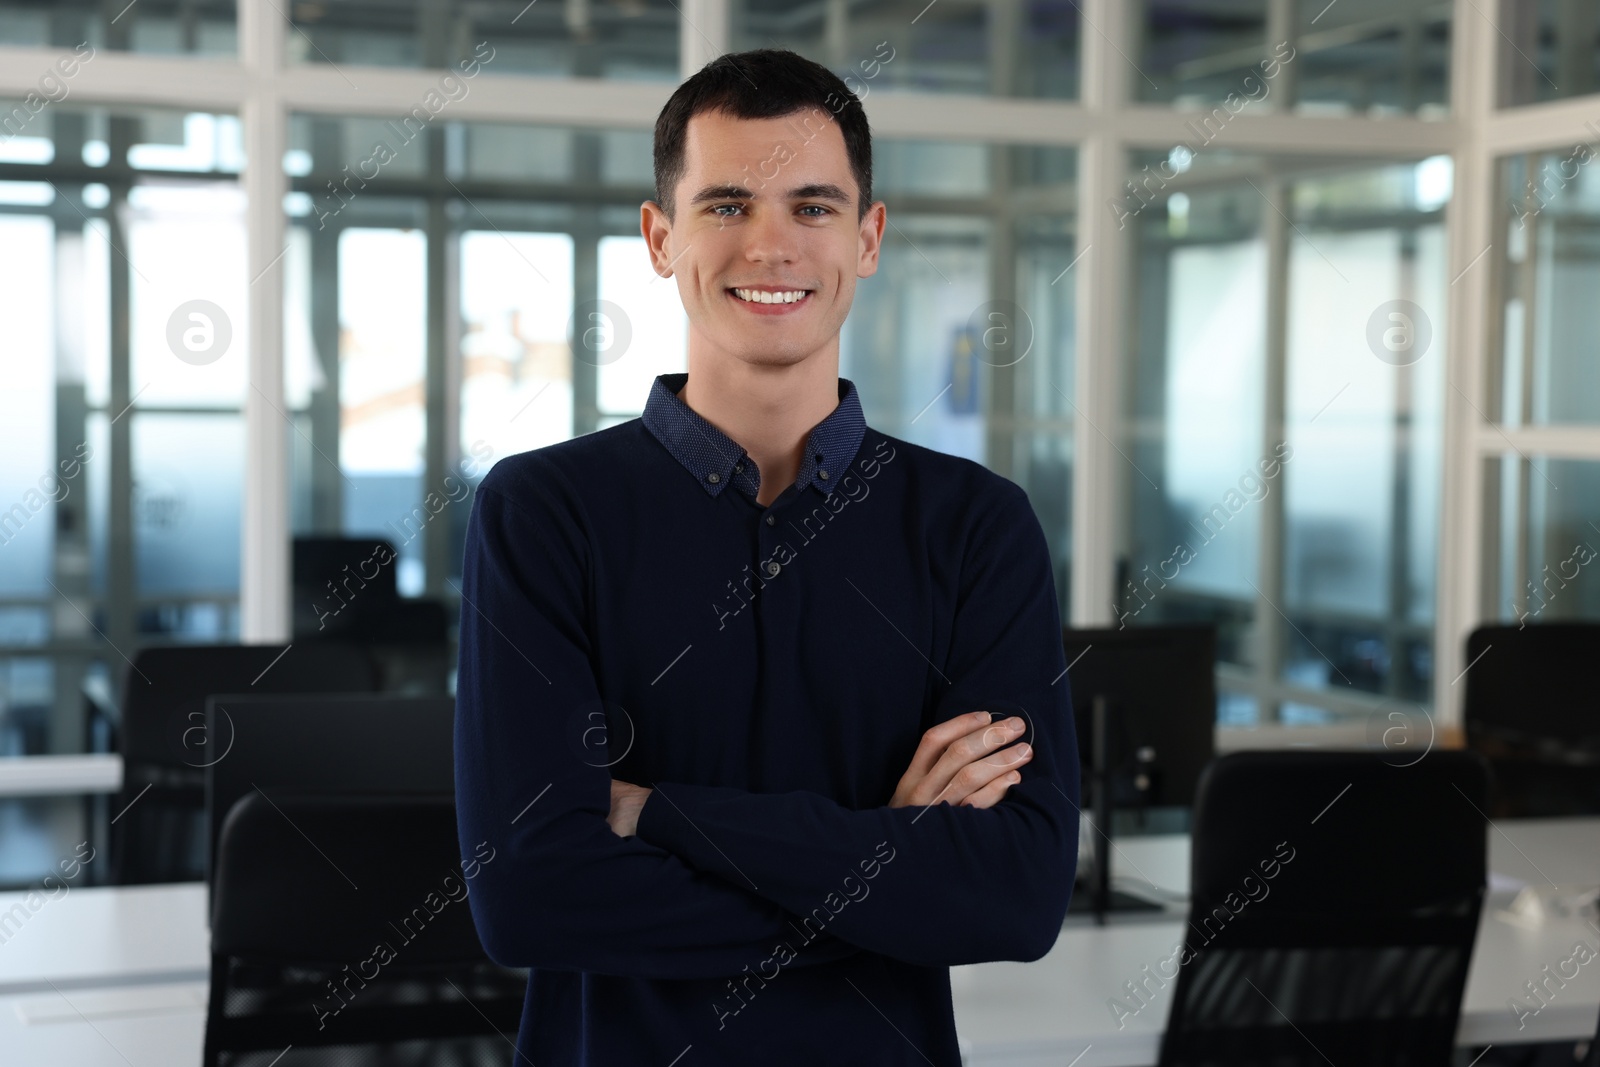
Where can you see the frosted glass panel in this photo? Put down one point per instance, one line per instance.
(190, 287)
(186, 503)
(29, 480)
(516, 362)
(657, 324)
(382, 321)
(1216, 311)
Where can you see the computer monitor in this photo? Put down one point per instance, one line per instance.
(1145, 706)
(341, 584)
(325, 744)
(1530, 708)
(1159, 683)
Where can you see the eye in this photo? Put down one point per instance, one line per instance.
(818, 207)
(716, 209)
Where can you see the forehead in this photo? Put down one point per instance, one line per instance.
(718, 146)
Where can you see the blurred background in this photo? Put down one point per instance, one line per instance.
(1282, 313)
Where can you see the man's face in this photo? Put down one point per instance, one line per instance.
(766, 205)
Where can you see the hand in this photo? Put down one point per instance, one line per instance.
(960, 762)
(626, 800)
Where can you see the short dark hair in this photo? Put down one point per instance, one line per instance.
(760, 84)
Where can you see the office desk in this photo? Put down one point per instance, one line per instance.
(1050, 1011)
(116, 976)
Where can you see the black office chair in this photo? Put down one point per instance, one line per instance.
(359, 744)
(340, 925)
(1532, 710)
(1334, 902)
(159, 832)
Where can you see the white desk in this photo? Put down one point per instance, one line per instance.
(1049, 1011)
(104, 977)
(112, 977)
(38, 776)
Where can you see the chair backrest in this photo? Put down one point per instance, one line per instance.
(1334, 902)
(328, 745)
(164, 693)
(343, 921)
(1531, 708)
(159, 832)
(324, 879)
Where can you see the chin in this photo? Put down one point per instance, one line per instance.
(785, 357)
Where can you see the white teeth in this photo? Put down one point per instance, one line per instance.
(759, 296)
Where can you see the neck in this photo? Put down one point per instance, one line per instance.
(767, 410)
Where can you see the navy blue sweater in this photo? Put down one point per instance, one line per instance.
(630, 612)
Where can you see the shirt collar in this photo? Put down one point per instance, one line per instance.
(716, 461)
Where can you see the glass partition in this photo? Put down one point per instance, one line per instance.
(1286, 394)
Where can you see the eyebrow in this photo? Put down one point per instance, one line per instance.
(814, 191)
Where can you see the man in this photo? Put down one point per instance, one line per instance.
(728, 670)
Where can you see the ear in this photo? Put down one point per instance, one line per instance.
(871, 239)
(657, 233)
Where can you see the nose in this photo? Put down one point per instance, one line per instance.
(770, 238)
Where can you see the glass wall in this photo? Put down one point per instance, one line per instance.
(1286, 397)
(123, 287)
(999, 47)
(1548, 209)
(154, 27)
(1543, 522)
(635, 40)
(1548, 50)
(1352, 57)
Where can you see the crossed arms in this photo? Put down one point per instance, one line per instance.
(712, 877)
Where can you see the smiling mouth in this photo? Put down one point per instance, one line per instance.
(763, 298)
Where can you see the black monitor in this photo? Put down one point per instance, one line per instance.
(341, 583)
(1159, 683)
(1145, 705)
(1531, 709)
(325, 744)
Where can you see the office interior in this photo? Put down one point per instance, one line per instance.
(1281, 312)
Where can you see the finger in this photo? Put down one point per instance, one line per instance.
(976, 744)
(931, 771)
(978, 773)
(938, 738)
(992, 793)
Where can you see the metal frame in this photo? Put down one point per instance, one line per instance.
(1104, 124)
